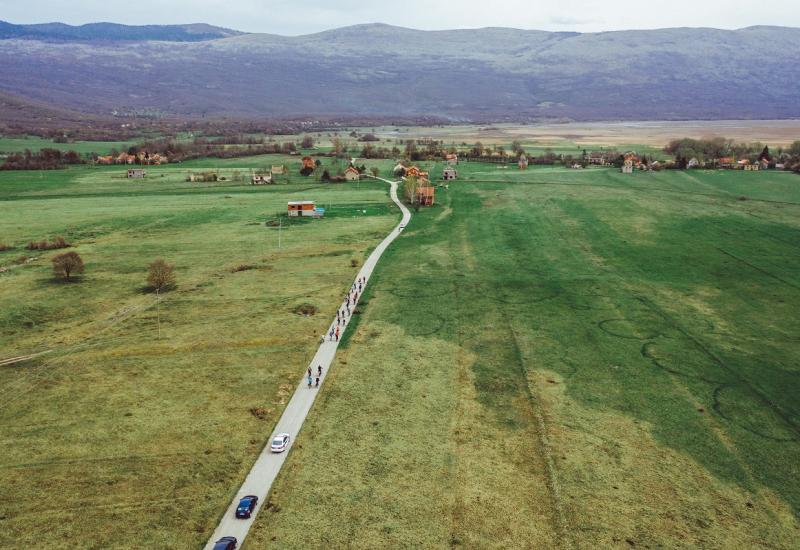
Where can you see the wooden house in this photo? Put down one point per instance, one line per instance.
(449, 173)
(425, 194)
(137, 173)
(352, 174)
(298, 209)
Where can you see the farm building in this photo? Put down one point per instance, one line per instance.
(105, 160)
(449, 173)
(278, 169)
(352, 174)
(627, 167)
(413, 172)
(137, 173)
(424, 195)
(523, 162)
(261, 179)
(452, 159)
(298, 209)
(597, 157)
(399, 170)
(693, 163)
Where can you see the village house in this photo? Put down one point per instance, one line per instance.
(523, 162)
(597, 158)
(125, 158)
(576, 166)
(105, 160)
(425, 194)
(413, 172)
(725, 162)
(297, 209)
(693, 163)
(627, 166)
(278, 170)
(399, 170)
(137, 173)
(449, 173)
(452, 159)
(261, 179)
(352, 174)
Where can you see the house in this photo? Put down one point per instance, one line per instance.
(627, 166)
(413, 172)
(352, 174)
(780, 166)
(137, 173)
(261, 179)
(298, 209)
(764, 164)
(597, 157)
(523, 162)
(452, 159)
(399, 170)
(750, 167)
(576, 166)
(105, 160)
(693, 163)
(278, 170)
(424, 195)
(725, 162)
(449, 173)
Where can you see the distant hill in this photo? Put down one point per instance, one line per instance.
(114, 32)
(381, 70)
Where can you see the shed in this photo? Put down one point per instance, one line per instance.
(449, 173)
(297, 209)
(278, 169)
(136, 173)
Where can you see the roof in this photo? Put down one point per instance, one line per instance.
(299, 203)
(352, 169)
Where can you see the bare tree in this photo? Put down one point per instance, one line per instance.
(67, 264)
(161, 275)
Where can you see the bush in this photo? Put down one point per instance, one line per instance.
(67, 264)
(57, 243)
(354, 262)
(242, 267)
(306, 310)
(4, 247)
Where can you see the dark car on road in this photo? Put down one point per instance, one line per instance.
(225, 543)
(246, 506)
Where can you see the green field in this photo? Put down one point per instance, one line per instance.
(19, 145)
(121, 438)
(566, 359)
(547, 358)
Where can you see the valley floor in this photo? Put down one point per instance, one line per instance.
(557, 359)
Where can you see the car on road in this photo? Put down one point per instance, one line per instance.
(246, 506)
(225, 543)
(402, 226)
(279, 443)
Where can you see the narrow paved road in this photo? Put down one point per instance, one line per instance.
(267, 466)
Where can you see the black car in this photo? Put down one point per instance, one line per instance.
(225, 543)
(246, 506)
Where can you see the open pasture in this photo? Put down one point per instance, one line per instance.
(566, 359)
(126, 435)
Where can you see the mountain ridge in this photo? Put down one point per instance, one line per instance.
(494, 73)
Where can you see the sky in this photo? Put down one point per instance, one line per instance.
(295, 17)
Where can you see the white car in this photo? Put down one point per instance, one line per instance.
(402, 226)
(279, 443)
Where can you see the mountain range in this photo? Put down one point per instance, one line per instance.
(382, 70)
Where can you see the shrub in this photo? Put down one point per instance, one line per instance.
(4, 247)
(57, 243)
(67, 264)
(354, 262)
(306, 310)
(242, 267)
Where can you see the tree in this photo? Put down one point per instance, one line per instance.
(67, 264)
(161, 275)
(410, 188)
(307, 143)
(375, 171)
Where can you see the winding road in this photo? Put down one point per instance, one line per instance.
(266, 468)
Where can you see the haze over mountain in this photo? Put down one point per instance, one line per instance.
(381, 70)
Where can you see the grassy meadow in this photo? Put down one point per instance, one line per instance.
(119, 437)
(565, 359)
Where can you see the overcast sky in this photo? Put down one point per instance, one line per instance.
(292, 17)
